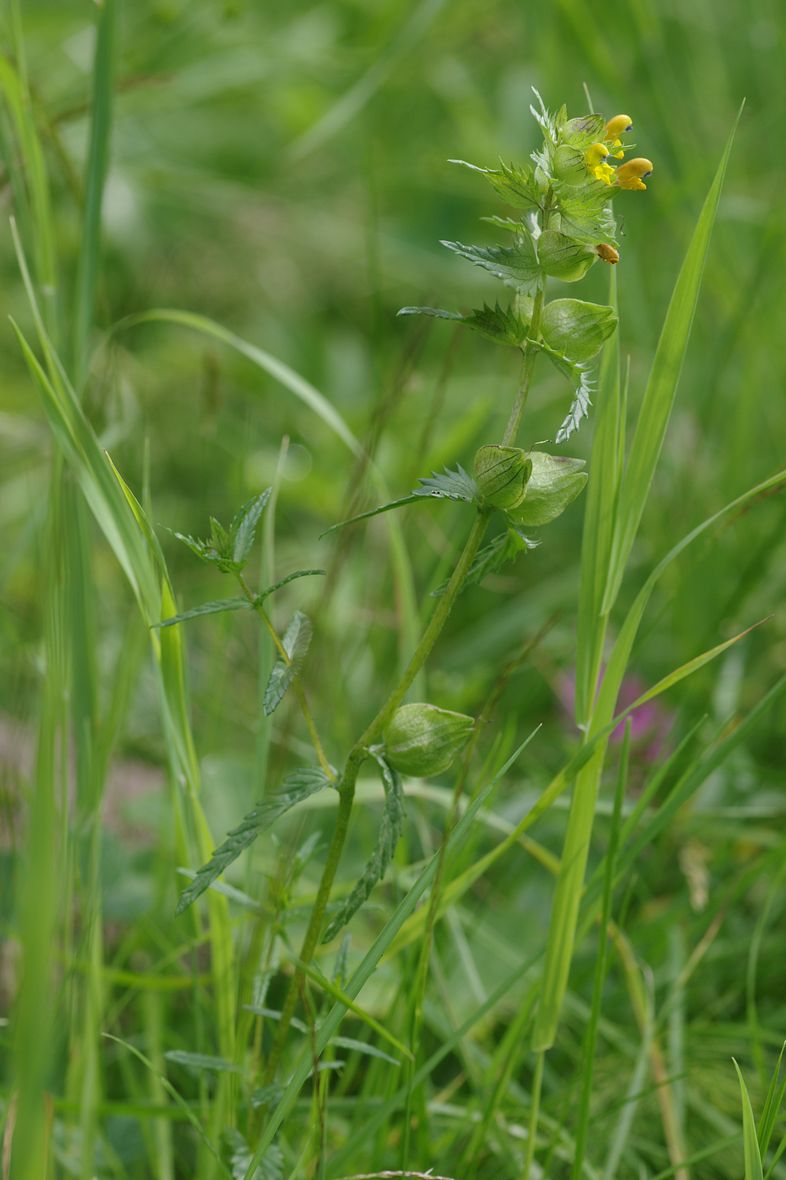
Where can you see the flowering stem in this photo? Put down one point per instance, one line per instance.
(528, 364)
(346, 785)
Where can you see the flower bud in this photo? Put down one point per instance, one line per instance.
(501, 474)
(423, 739)
(562, 257)
(607, 253)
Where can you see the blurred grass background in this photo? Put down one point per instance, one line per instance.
(284, 171)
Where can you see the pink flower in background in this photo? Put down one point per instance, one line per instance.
(650, 724)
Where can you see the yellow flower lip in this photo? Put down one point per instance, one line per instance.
(617, 125)
(596, 154)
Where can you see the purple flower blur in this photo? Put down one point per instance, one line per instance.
(650, 724)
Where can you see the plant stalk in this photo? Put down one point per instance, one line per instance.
(529, 352)
(346, 786)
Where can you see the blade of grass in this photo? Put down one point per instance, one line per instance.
(601, 960)
(753, 1168)
(656, 406)
(599, 516)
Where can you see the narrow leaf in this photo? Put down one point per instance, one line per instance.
(201, 1061)
(207, 608)
(376, 866)
(662, 385)
(289, 578)
(753, 1168)
(412, 499)
(297, 787)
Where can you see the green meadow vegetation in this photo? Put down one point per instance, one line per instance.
(393, 646)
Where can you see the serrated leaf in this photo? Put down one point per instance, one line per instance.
(207, 608)
(503, 549)
(514, 183)
(297, 786)
(579, 407)
(450, 485)
(376, 866)
(295, 641)
(211, 550)
(497, 323)
(515, 265)
(244, 526)
(547, 121)
(267, 1095)
(585, 213)
(201, 1061)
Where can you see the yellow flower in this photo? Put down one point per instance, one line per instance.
(632, 174)
(612, 131)
(596, 157)
(607, 253)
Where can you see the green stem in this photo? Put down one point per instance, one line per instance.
(297, 687)
(346, 791)
(528, 364)
(431, 634)
(346, 787)
(534, 1113)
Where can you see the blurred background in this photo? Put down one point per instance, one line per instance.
(285, 172)
(283, 169)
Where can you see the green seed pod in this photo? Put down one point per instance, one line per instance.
(423, 739)
(562, 258)
(569, 165)
(501, 474)
(556, 481)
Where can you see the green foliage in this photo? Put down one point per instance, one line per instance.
(576, 328)
(753, 1166)
(501, 475)
(229, 549)
(497, 323)
(270, 1167)
(376, 866)
(492, 557)
(516, 265)
(295, 642)
(207, 608)
(561, 257)
(555, 483)
(450, 485)
(515, 183)
(296, 787)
